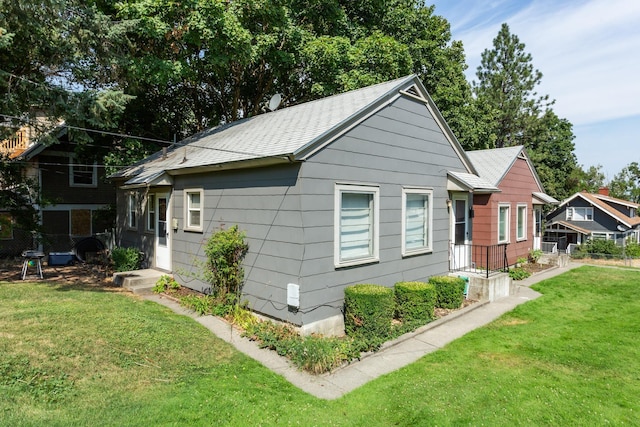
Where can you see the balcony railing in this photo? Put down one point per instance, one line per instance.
(480, 259)
(18, 142)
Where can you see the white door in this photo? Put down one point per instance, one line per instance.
(162, 239)
(460, 238)
(537, 226)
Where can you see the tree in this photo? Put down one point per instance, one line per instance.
(507, 82)
(19, 195)
(54, 62)
(512, 113)
(626, 184)
(551, 148)
(590, 180)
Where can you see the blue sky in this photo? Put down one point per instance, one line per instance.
(589, 54)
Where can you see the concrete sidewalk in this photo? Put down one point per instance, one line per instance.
(392, 356)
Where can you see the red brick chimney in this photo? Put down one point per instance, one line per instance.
(604, 191)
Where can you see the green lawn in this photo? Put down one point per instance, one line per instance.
(85, 356)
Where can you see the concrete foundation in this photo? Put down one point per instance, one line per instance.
(490, 288)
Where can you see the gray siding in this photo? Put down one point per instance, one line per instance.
(288, 214)
(400, 146)
(263, 202)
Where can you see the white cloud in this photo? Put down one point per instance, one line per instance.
(588, 51)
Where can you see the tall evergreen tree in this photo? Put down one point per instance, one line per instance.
(506, 82)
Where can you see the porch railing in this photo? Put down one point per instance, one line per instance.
(479, 259)
(550, 247)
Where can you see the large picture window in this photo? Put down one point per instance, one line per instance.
(356, 224)
(194, 203)
(503, 223)
(521, 223)
(416, 221)
(580, 213)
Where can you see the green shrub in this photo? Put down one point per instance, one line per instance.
(632, 250)
(313, 353)
(449, 291)
(534, 255)
(125, 259)
(415, 303)
(368, 313)
(225, 251)
(165, 283)
(518, 273)
(201, 304)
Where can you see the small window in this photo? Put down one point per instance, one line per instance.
(521, 223)
(416, 221)
(356, 225)
(503, 223)
(194, 201)
(132, 211)
(151, 212)
(83, 175)
(6, 226)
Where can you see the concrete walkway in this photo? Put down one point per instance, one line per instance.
(392, 356)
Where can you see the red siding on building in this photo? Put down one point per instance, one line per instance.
(516, 189)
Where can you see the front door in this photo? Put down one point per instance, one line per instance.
(162, 238)
(537, 227)
(461, 241)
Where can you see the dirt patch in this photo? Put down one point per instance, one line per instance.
(536, 268)
(79, 273)
(442, 312)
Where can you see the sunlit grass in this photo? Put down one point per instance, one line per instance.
(83, 356)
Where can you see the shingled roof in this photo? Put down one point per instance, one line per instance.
(285, 135)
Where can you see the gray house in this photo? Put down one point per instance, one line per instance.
(353, 188)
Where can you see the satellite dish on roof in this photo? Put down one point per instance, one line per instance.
(275, 101)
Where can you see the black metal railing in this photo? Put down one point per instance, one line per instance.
(480, 259)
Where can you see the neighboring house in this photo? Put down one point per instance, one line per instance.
(348, 189)
(509, 210)
(586, 216)
(77, 196)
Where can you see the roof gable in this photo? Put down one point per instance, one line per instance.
(597, 202)
(494, 164)
(289, 134)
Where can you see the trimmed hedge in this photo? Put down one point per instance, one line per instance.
(449, 291)
(368, 313)
(415, 302)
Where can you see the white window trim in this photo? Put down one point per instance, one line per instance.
(571, 216)
(94, 176)
(187, 225)
(524, 225)
(356, 188)
(508, 222)
(429, 225)
(151, 207)
(132, 199)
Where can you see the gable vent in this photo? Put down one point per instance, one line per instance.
(414, 93)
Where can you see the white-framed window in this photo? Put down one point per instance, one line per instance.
(521, 222)
(193, 205)
(580, 213)
(83, 175)
(417, 223)
(356, 224)
(132, 210)
(503, 223)
(151, 212)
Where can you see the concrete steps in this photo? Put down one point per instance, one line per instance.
(137, 281)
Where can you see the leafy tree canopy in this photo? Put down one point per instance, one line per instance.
(626, 184)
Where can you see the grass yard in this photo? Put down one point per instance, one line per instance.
(92, 356)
